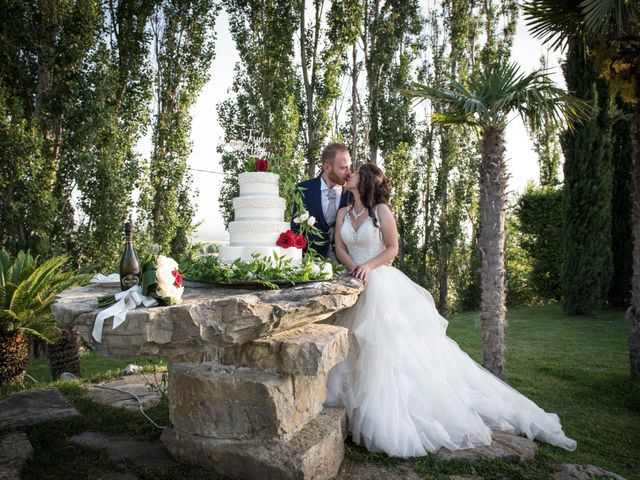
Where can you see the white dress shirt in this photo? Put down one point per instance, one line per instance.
(325, 199)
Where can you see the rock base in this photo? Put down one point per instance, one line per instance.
(504, 446)
(314, 452)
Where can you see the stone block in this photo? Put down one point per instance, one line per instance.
(34, 407)
(313, 453)
(504, 446)
(309, 350)
(233, 402)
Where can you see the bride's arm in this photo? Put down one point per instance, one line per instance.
(390, 236)
(341, 249)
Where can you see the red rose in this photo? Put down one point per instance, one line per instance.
(286, 239)
(177, 279)
(300, 241)
(262, 166)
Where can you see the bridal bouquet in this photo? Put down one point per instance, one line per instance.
(161, 280)
(161, 285)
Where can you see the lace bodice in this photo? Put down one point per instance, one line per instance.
(364, 244)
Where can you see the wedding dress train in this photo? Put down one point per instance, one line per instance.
(408, 388)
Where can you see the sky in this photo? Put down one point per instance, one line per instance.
(206, 132)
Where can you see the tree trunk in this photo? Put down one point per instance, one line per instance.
(354, 106)
(633, 314)
(443, 279)
(493, 182)
(14, 356)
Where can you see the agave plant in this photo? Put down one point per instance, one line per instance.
(26, 294)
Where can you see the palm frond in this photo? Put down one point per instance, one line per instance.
(604, 17)
(554, 22)
(26, 303)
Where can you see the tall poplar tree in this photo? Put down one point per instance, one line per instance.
(385, 27)
(587, 259)
(183, 38)
(546, 143)
(264, 98)
(320, 50)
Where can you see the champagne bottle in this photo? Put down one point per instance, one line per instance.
(129, 265)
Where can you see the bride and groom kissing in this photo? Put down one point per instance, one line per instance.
(408, 389)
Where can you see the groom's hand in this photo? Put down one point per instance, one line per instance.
(361, 272)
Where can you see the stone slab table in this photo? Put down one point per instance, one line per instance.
(247, 372)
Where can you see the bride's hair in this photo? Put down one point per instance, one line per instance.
(374, 188)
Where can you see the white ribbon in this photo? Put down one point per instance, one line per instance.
(125, 301)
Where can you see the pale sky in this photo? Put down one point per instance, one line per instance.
(206, 132)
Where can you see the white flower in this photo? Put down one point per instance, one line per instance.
(166, 288)
(311, 221)
(296, 220)
(315, 269)
(304, 216)
(327, 271)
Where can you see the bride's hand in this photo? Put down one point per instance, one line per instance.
(361, 272)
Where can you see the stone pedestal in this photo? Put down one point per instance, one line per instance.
(260, 414)
(247, 373)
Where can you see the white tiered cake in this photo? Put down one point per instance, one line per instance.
(258, 220)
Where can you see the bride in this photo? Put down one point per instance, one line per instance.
(408, 388)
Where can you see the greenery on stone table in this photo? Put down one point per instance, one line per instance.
(268, 271)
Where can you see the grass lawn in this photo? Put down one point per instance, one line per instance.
(574, 366)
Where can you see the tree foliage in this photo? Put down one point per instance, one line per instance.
(183, 39)
(586, 265)
(540, 217)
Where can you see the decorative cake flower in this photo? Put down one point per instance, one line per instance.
(262, 166)
(300, 241)
(286, 239)
(255, 164)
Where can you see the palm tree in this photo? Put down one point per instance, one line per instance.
(485, 103)
(610, 31)
(26, 294)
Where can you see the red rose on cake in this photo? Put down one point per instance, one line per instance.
(262, 165)
(300, 241)
(286, 239)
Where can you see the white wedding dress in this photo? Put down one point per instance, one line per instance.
(408, 388)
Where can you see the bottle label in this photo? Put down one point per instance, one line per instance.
(130, 280)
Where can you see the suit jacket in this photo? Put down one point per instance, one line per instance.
(312, 198)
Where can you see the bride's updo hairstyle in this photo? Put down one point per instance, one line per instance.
(374, 188)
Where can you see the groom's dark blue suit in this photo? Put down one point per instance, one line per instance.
(312, 199)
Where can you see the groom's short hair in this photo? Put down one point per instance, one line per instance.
(330, 151)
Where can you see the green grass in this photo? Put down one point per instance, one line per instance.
(576, 367)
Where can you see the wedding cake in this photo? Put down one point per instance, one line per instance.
(258, 220)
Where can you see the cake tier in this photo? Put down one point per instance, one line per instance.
(255, 233)
(229, 253)
(259, 209)
(258, 184)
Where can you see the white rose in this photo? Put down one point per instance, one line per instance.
(296, 220)
(311, 221)
(304, 216)
(166, 288)
(315, 269)
(327, 271)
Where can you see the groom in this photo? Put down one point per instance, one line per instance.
(324, 195)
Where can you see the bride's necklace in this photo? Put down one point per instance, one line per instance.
(355, 215)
